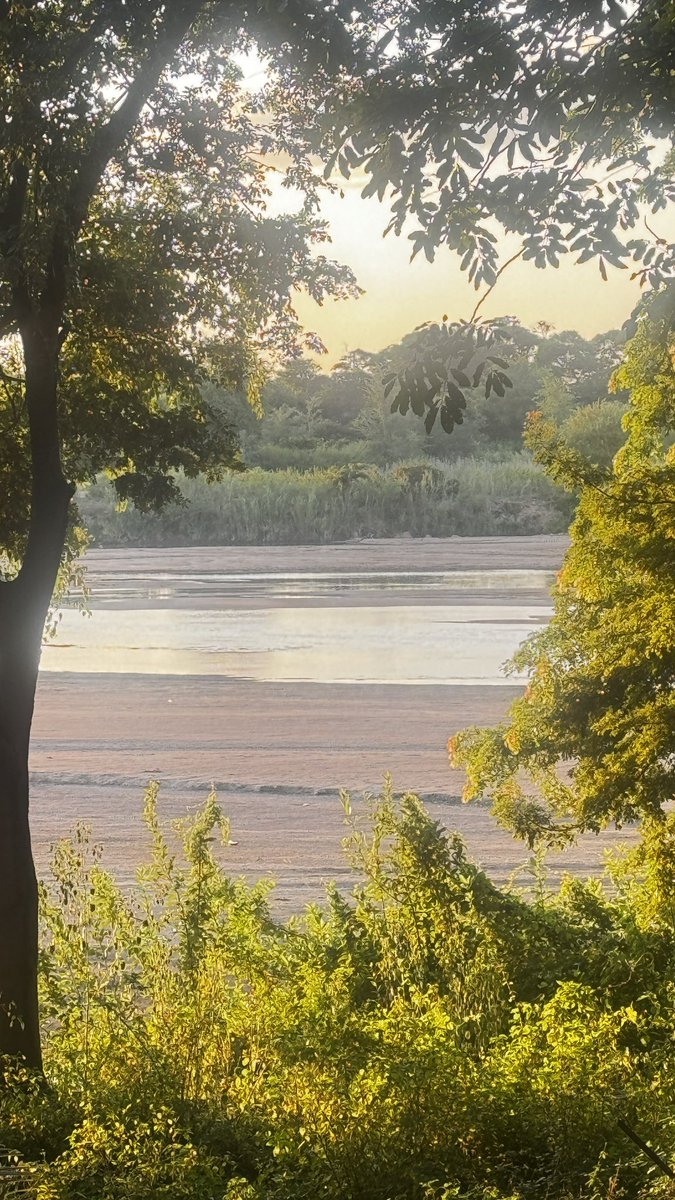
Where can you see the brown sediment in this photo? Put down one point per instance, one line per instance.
(278, 753)
(543, 552)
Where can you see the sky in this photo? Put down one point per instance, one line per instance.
(400, 295)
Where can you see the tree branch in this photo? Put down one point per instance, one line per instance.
(644, 1146)
(492, 286)
(111, 136)
(41, 329)
(107, 142)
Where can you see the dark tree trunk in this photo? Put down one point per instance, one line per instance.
(24, 601)
(24, 604)
(19, 1030)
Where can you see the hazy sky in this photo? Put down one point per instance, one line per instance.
(400, 295)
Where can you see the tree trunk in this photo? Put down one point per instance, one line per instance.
(19, 1029)
(24, 604)
(24, 601)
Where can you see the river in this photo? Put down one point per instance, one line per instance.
(281, 674)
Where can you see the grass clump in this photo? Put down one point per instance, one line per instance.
(349, 500)
(429, 1036)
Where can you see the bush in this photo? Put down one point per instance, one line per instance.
(430, 1036)
(596, 430)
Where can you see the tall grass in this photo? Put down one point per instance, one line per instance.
(469, 497)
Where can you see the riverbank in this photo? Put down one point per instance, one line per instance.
(542, 552)
(277, 752)
(277, 755)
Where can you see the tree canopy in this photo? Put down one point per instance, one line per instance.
(506, 131)
(552, 122)
(352, 419)
(591, 739)
(135, 203)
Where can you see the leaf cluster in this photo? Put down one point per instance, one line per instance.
(542, 120)
(450, 360)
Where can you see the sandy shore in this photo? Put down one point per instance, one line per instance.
(542, 552)
(277, 753)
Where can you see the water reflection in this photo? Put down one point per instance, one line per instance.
(393, 643)
(160, 586)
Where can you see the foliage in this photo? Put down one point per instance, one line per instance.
(339, 457)
(446, 363)
(429, 1036)
(596, 431)
(312, 418)
(601, 692)
(158, 245)
(422, 498)
(450, 361)
(535, 117)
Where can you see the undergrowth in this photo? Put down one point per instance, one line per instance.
(429, 1036)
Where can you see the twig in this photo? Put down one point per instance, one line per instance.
(492, 286)
(646, 1149)
(661, 241)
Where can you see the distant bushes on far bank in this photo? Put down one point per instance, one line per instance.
(422, 498)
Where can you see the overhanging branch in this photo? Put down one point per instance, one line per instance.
(108, 140)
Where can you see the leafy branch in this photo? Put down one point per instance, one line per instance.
(451, 360)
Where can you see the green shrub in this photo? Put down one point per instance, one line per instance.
(429, 1036)
(596, 430)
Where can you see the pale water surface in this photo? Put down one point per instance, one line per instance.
(144, 625)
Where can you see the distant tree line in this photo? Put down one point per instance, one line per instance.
(313, 418)
(328, 460)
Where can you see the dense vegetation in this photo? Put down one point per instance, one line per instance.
(138, 254)
(428, 1037)
(422, 498)
(329, 460)
(431, 1035)
(601, 695)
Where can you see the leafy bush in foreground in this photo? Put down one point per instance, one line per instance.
(430, 1036)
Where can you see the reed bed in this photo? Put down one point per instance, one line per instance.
(290, 507)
